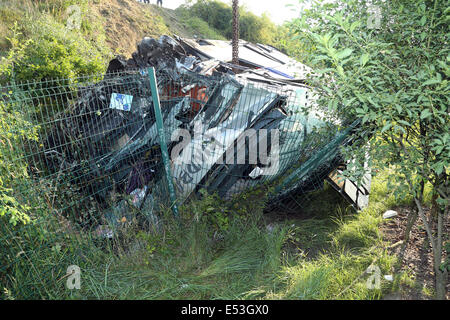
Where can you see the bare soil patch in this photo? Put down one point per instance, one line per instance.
(417, 258)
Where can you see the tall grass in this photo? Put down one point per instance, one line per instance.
(322, 257)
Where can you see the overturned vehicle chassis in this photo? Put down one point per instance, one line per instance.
(226, 132)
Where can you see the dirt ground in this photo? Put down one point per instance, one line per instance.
(126, 22)
(417, 257)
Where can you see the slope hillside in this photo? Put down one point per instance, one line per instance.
(127, 21)
(115, 24)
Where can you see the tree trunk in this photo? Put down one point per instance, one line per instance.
(441, 276)
(412, 218)
(441, 284)
(235, 41)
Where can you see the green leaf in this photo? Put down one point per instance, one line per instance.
(354, 26)
(438, 168)
(430, 82)
(404, 123)
(340, 71)
(386, 127)
(423, 20)
(363, 60)
(344, 53)
(425, 114)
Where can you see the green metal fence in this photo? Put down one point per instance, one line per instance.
(81, 157)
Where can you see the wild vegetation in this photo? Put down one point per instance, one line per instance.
(41, 46)
(218, 16)
(219, 250)
(395, 78)
(390, 69)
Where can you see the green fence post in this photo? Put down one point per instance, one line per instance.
(162, 139)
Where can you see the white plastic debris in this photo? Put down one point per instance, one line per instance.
(270, 227)
(256, 173)
(104, 231)
(389, 277)
(389, 214)
(137, 196)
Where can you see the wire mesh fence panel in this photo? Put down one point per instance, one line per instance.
(81, 158)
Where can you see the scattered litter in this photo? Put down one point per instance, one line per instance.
(270, 227)
(104, 231)
(389, 277)
(121, 101)
(389, 214)
(138, 196)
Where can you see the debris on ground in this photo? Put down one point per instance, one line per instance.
(389, 214)
(415, 258)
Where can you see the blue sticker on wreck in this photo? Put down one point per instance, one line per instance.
(121, 101)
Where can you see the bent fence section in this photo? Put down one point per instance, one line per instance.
(80, 157)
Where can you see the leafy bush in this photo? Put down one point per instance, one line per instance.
(215, 13)
(218, 16)
(256, 29)
(51, 51)
(202, 27)
(13, 169)
(393, 75)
